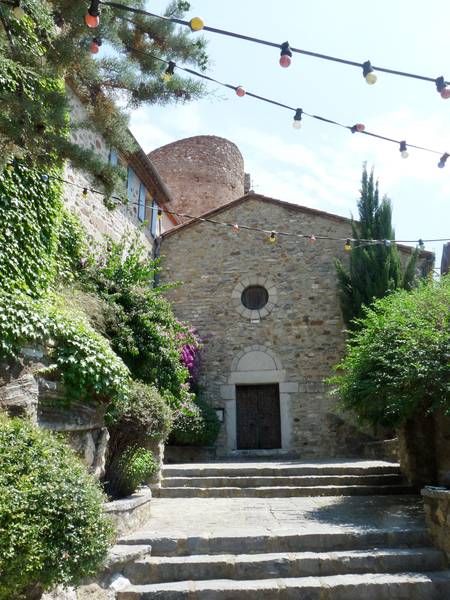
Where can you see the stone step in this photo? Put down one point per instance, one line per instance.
(367, 586)
(271, 566)
(255, 469)
(281, 481)
(356, 539)
(281, 492)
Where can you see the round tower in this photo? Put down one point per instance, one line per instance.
(201, 172)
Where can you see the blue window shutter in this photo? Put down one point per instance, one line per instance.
(141, 203)
(130, 180)
(113, 157)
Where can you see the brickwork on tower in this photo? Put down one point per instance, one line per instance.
(201, 172)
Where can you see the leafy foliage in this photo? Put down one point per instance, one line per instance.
(78, 354)
(195, 424)
(52, 529)
(139, 321)
(30, 211)
(375, 270)
(142, 415)
(398, 362)
(51, 44)
(141, 418)
(134, 467)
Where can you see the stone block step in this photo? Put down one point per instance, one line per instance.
(287, 469)
(282, 481)
(367, 586)
(312, 541)
(271, 566)
(281, 492)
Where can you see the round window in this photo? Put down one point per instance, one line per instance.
(254, 297)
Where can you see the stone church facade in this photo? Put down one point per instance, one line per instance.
(268, 313)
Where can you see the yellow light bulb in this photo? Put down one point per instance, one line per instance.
(348, 246)
(272, 238)
(18, 12)
(371, 78)
(196, 24)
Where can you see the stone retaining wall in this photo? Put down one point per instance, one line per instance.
(437, 514)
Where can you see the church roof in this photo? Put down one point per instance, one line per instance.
(282, 204)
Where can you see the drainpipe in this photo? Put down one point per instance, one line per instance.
(156, 255)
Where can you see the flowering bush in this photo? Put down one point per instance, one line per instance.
(190, 357)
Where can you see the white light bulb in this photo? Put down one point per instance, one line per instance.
(296, 124)
(18, 12)
(405, 154)
(371, 78)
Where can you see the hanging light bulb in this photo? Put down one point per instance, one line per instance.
(348, 245)
(443, 160)
(18, 11)
(272, 237)
(240, 91)
(168, 73)
(10, 168)
(196, 24)
(297, 123)
(285, 55)
(44, 178)
(369, 73)
(95, 45)
(403, 150)
(92, 17)
(235, 227)
(312, 239)
(85, 192)
(387, 243)
(421, 244)
(159, 215)
(358, 127)
(442, 88)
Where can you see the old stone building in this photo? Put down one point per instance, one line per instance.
(267, 312)
(144, 190)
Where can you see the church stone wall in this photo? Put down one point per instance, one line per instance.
(302, 330)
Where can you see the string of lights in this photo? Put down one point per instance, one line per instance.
(272, 235)
(299, 113)
(286, 50)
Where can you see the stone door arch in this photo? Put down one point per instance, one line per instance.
(257, 364)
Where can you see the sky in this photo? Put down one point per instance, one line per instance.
(320, 165)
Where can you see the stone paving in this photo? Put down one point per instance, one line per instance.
(172, 517)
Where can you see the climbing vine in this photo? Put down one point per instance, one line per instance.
(76, 354)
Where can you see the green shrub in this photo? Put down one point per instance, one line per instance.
(80, 356)
(195, 424)
(139, 322)
(134, 467)
(142, 415)
(397, 365)
(52, 528)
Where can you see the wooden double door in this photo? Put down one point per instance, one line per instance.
(258, 417)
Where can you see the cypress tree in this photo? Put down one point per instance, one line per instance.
(374, 270)
(47, 44)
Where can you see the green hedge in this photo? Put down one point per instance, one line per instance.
(397, 365)
(52, 528)
(195, 424)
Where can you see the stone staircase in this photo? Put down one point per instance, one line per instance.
(227, 545)
(282, 479)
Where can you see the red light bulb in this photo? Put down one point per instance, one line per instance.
(94, 47)
(360, 127)
(240, 91)
(445, 93)
(285, 61)
(91, 20)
